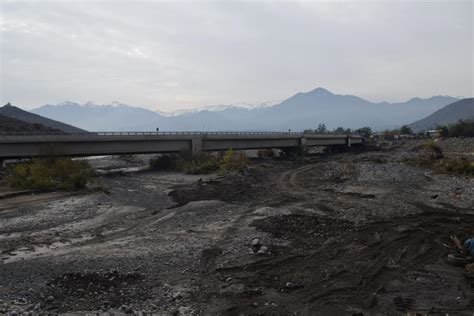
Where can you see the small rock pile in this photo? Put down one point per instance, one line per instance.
(257, 248)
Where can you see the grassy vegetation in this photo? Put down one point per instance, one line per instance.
(204, 163)
(432, 157)
(50, 174)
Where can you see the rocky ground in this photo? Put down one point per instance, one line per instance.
(352, 233)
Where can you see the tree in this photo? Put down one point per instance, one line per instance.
(405, 130)
(339, 130)
(321, 128)
(364, 131)
(443, 131)
(463, 128)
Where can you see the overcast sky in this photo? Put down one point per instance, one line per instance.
(174, 55)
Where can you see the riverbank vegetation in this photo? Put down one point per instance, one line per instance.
(50, 174)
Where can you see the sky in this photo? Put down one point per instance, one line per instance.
(171, 55)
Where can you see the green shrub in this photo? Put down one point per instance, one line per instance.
(202, 164)
(233, 161)
(50, 173)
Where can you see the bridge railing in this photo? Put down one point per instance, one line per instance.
(191, 133)
(181, 133)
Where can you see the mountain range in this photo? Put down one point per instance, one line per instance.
(462, 109)
(301, 111)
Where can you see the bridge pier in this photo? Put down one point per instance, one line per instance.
(303, 142)
(196, 146)
(348, 140)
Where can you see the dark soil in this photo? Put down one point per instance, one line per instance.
(113, 289)
(303, 229)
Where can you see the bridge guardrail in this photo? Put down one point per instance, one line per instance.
(184, 133)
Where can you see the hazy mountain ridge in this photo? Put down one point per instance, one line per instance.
(462, 109)
(302, 110)
(28, 117)
(97, 117)
(12, 125)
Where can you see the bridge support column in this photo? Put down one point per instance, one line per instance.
(303, 142)
(348, 140)
(196, 146)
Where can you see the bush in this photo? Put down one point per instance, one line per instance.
(232, 161)
(202, 164)
(265, 153)
(433, 151)
(50, 174)
(456, 165)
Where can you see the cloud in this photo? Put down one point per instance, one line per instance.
(170, 55)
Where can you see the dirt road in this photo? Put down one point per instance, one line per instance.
(336, 234)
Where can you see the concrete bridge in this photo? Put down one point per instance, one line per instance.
(118, 143)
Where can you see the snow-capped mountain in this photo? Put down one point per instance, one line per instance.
(301, 111)
(220, 107)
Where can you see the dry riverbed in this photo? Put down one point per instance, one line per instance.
(354, 233)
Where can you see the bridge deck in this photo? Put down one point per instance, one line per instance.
(110, 143)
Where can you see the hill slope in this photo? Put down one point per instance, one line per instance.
(11, 125)
(28, 117)
(299, 112)
(462, 109)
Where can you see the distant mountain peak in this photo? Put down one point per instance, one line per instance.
(321, 91)
(65, 103)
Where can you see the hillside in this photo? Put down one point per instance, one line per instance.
(28, 117)
(11, 125)
(301, 111)
(462, 109)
